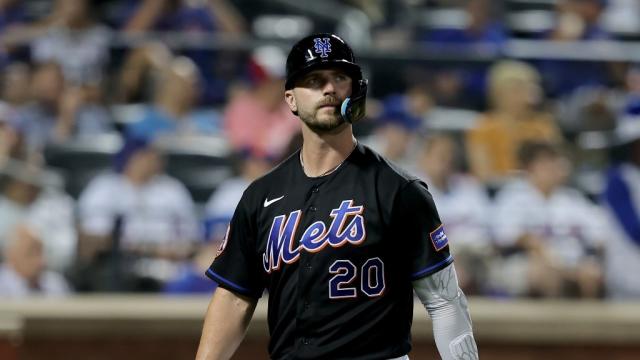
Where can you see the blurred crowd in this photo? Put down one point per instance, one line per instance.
(124, 154)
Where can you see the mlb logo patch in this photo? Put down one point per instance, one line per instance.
(224, 242)
(439, 238)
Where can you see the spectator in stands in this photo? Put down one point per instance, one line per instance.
(464, 86)
(596, 108)
(551, 233)
(463, 205)
(219, 209)
(576, 20)
(24, 270)
(193, 18)
(60, 112)
(622, 200)
(30, 195)
(191, 278)
(140, 72)
(147, 214)
(174, 101)
(621, 16)
(180, 15)
(76, 41)
(579, 20)
(250, 165)
(259, 118)
(69, 36)
(11, 140)
(14, 86)
(399, 125)
(14, 93)
(492, 144)
(479, 28)
(12, 14)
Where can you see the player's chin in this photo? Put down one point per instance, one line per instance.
(327, 124)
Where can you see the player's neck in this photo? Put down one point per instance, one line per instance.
(323, 152)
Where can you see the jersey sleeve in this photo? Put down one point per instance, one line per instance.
(421, 231)
(235, 266)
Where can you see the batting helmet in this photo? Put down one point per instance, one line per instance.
(320, 51)
(325, 50)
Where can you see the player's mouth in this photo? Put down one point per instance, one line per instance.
(332, 105)
(329, 101)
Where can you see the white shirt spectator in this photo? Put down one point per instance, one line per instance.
(159, 212)
(82, 54)
(14, 286)
(568, 222)
(52, 215)
(224, 200)
(464, 210)
(222, 204)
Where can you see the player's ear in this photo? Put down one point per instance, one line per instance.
(291, 101)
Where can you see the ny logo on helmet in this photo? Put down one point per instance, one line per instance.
(322, 46)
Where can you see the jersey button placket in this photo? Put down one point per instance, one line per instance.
(305, 280)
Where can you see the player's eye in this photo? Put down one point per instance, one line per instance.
(312, 81)
(341, 77)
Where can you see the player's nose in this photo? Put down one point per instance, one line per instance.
(329, 87)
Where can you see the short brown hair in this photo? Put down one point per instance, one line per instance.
(531, 151)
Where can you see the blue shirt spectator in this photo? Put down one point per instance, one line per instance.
(191, 278)
(480, 30)
(154, 122)
(191, 281)
(173, 110)
(11, 13)
(622, 200)
(178, 15)
(577, 20)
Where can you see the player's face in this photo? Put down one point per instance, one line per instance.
(317, 97)
(550, 171)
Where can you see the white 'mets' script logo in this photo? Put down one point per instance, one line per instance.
(347, 227)
(268, 202)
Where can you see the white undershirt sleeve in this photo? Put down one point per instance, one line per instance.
(447, 306)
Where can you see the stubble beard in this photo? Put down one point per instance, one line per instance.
(310, 118)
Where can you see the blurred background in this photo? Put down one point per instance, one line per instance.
(129, 130)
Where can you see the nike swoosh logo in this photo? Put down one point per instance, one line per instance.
(268, 202)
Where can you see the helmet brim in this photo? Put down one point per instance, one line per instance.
(350, 68)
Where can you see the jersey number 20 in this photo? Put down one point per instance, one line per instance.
(341, 285)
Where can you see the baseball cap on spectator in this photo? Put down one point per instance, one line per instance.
(266, 62)
(628, 127)
(395, 112)
(131, 146)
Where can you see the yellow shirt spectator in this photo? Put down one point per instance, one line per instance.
(493, 143)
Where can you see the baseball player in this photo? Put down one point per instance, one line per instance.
(339, 237)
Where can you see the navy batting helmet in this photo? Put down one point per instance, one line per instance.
(319, 51)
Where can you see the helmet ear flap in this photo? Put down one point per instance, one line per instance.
(353, 108)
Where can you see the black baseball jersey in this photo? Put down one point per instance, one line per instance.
(336, 254)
